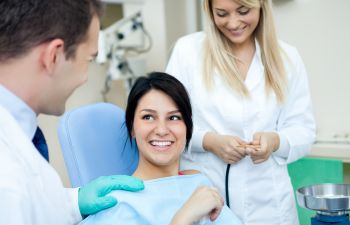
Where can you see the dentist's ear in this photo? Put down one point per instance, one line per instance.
(52, 53)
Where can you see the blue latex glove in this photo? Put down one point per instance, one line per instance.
(92, 197)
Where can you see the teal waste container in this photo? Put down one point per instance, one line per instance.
(309, 171)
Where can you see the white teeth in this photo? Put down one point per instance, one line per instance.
(161, 143)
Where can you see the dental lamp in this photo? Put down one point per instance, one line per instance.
(118, 46)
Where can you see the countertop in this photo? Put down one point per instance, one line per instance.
(332, 151)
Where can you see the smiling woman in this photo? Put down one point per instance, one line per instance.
(160, 134)
(159, 117)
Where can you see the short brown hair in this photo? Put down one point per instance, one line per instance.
(27, 24)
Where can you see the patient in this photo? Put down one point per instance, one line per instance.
(159, 117)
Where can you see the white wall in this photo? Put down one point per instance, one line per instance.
(166, 20)
(320, 30)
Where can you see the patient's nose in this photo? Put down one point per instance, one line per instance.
(162, 128)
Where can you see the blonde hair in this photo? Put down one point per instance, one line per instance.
(217, 55)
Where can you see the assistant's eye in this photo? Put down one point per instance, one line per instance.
(175, 117)
(147, 117)
(221, 13)
(243, 11)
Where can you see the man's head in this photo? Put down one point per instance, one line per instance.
(27, 24)
(53, 41)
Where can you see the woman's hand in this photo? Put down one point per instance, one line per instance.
(229, 148)
(268, 142)
(205, 201)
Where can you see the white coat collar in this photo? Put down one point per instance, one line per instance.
(13, 136)
(255, 73)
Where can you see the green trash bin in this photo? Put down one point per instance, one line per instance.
(309, 171)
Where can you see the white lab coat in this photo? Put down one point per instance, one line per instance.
(260, 194)
(31, 191)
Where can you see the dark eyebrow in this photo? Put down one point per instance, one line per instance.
(154, 111)
(174, 111)
(148, 110)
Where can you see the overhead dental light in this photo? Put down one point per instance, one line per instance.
(119, 45)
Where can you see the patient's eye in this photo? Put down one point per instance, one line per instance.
(147, 117)
(175, 117)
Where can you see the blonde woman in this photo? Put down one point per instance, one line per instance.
(251, 108)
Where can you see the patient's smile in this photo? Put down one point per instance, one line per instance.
(161, 143)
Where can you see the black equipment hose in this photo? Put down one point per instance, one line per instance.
(226, 185)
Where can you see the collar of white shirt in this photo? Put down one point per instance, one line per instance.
(23, 114)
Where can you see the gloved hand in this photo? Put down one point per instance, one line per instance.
(92, 197)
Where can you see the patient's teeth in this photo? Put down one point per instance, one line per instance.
(161, 143)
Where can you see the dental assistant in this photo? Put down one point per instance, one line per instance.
(252, 108)
(45, 50)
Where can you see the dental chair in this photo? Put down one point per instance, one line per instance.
(94, 142)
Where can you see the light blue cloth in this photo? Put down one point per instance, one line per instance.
(157, 203)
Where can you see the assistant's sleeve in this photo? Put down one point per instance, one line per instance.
(296, 124)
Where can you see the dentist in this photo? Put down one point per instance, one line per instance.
(45, 49)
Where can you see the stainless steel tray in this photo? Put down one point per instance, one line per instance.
(325, 197)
